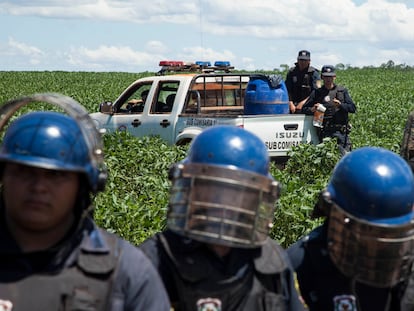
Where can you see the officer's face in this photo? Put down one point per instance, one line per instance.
(328, 80)
(39, 201)
(303, 63)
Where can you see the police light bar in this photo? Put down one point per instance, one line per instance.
(203, 66)
(171, 63)
(203, 63)
(221, 63)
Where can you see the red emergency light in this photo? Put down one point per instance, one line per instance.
(202, 66)
(171, 63)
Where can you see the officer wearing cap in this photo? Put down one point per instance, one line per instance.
(338, 104)
(301, 80)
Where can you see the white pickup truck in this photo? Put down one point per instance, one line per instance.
(177, 107)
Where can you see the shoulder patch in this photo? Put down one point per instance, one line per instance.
(345, 303)
(6, 305)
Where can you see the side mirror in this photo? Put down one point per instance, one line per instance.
(105, 107)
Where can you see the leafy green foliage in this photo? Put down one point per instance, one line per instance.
(306, 173)
(88, 88)
(135, 201)
(384, 98)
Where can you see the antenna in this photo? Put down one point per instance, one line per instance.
(201, 26)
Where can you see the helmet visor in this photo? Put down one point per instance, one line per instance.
(222, 206)
(378, 255)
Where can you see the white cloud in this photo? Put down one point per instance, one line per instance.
(254, 33)
(24, 49)
(111, 58)
(205, 54)
(156, 47)
(21, 52)
(341, 20)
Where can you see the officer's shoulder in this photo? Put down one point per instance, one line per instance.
(150, 242)
(273, 259)
(314, 236)
(340, 88)
(272, 246)
(313, 69)
(293, 68)
(101, 240)
(127, 253)
(119, 245)
(299, 250)
(151, 247)
(102, 250)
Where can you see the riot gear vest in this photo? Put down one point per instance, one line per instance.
(301, 84)
(325, 288)
(258, 284)
(325, 96)
(84, 285)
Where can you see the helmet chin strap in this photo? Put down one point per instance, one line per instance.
(78, 113)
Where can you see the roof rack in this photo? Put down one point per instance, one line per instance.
(198, 66)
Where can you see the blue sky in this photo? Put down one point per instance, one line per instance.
(134, 35)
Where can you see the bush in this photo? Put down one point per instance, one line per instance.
(135, 201)
(306, 173)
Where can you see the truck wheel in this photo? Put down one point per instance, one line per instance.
(280, 162)
(184, 142)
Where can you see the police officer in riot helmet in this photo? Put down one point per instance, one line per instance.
(215, 252)
(360, 258)
(52, 254)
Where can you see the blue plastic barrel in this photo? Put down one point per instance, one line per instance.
(266, 94)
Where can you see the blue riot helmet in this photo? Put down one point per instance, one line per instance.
(222, 192)
(53, 140)
(370, 227)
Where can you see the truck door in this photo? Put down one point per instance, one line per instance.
(161, 117)
(126, 112)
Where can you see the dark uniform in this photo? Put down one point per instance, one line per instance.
(335, 121)
(89, 270)
(300, 84)
(47, 155)
(216, 253)
(361, 257)
(246, 279)
(325, 288)
(407, 144)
